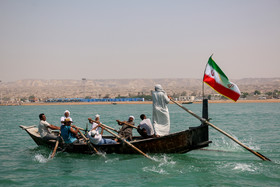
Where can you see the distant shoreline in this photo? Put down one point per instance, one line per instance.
(145, 102)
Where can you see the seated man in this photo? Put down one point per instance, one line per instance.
(45, 128)
(126, 130)
(145, 128)
(96, 138)
(95, 124)
(69, 132)
(66, 116)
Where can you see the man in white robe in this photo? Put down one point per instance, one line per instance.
(161, 120)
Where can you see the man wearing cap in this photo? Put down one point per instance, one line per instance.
(66, 116)
(95, 123)
(96, 138)
(126, 130)
(45, 128)
(69, 132)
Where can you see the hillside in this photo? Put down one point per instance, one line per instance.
(122, 87)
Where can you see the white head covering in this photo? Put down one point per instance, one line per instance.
(159, 88)
(92, 133)
(97, 116)
(131, 117)
(67, 112)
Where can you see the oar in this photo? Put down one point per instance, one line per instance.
(114, 134)
(79, 128)
(124, 122)
(88, 143)
(103, 124)
(106, 126)
(56, 145)
(223, 132)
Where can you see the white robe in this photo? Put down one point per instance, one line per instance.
(161, 120)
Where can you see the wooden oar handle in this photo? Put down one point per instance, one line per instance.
(98, 122)
(138, 150)
(87, 141)
(56, 145)
(84, 137)
(126, 123)
(221, 131)
(79, 128)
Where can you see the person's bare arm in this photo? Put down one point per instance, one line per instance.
(75, 132)
(120, 122)
(53, 127)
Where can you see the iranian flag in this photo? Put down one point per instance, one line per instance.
(215, 78)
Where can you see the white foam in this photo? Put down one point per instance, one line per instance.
(103, 154)
(111, 160)
(244, 167)
(164, 162)
(40, 158)
(155, 170)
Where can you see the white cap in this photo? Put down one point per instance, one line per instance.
(132, 117)
(97, 116)
(92, 133)
(67, 111)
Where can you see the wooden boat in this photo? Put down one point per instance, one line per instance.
(179, 142)
(187, 102)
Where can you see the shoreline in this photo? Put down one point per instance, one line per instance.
(141, 102)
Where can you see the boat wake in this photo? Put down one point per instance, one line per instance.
(244, 167)
(163, 163)
(111, 160)
(155, 169)
(241, 167)
(102, 154)
(225, 144)
(40, 158)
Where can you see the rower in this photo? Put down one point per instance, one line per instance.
(69, 132)
(126, 129)
(145, 128)
(66, 116)
(95, 122)
(45, 128)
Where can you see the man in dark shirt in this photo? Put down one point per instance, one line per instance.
(126, 129)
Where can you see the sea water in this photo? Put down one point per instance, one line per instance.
(223, 163)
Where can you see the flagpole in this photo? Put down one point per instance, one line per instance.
(203, 77)
(202, 88)
(203, 96)
(203, 82)
(204, 101)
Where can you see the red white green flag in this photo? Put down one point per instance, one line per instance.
(215, 78)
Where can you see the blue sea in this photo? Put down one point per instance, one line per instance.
(223, 163)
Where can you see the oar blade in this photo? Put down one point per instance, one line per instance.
(264, 157)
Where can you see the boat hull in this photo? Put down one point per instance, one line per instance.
(180, 142)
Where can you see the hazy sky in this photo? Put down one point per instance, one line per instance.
(115, 39)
